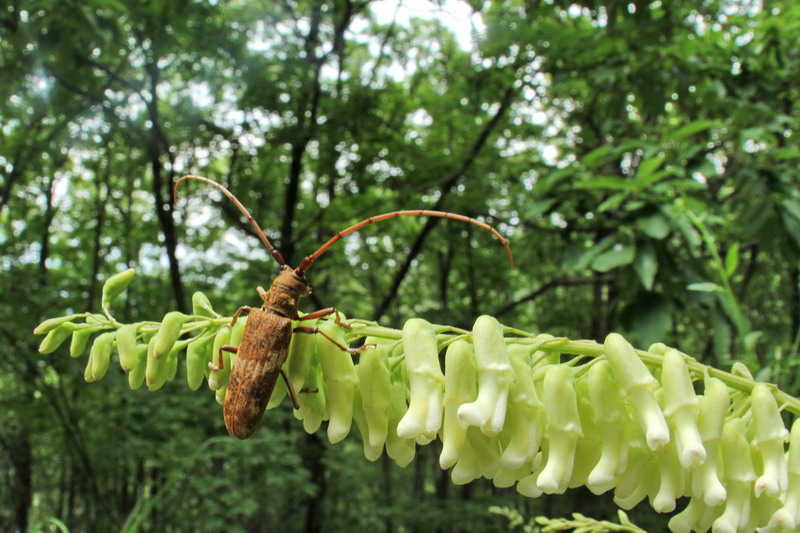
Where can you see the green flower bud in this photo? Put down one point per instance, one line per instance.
(56, 336)
(87, 370)
(399, 449)
(100, 354)
(495, 376)
(136, 375)
(237, 331)
(115, 285)
(80, 338)
(681, 407)
(374, 380)
(769, 435)
(126, 346)
(172, 365)
(219, 394)
(168, 333)
(564, 426)
(424, 415)
(302, 351)
(218, 377)
(507, 478)
(197, 359)
(636, 381)
(201, 306)
(155, 371)
(52, 323)
(340, 377)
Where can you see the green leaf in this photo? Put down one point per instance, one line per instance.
(732, 259)
(646, 265)
(655, 225)
(690, 129)
(537, 209)
(704, 286)
(618, 256)
(598, 156)
(647, 167)
(606, 182)
(792, 207)
(721, 336)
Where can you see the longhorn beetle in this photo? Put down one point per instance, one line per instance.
(265, 342)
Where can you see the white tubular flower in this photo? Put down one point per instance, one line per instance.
(339, 374)
(313, 406)
(713, 408)
(480, 457)
(374, 380)
(672, 479)
(527, 485)
(424, 415)
(495, 376)
(372, 453)
(681, 408)
(564, 427)
(400, 449)
(524, 424)
(697, 516)
(461, 386)
(488, 451)
(467, 467)
(769, 435)
(610, 415)
(636, 489)
(788, 516)
(506, 477)
(639, 384)
(739, 474)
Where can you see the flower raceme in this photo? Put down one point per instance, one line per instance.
(540, 413)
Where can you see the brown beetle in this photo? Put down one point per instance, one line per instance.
(265, 342)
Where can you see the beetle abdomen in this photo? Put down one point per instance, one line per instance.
(261, 355)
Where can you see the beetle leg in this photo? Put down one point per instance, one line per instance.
(244, 309)
(290, 388)
(306, 329)
(225, 348)
(326, 312)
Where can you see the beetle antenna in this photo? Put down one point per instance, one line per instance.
(275, 253)
(420, 212)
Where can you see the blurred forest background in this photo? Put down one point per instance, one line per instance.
(641, 157)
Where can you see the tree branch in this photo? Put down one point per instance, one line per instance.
(447, 186)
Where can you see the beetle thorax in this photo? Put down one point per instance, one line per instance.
(285, 292)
